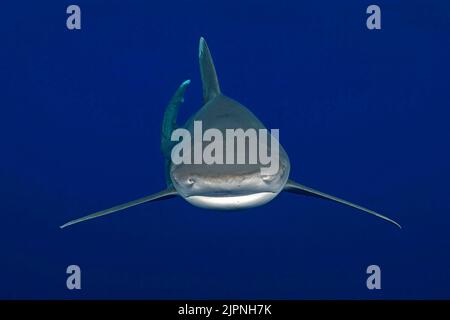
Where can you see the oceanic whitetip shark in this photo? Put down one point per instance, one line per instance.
(220, 186)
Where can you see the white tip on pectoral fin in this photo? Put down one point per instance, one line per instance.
(165, 194)
(295, 187)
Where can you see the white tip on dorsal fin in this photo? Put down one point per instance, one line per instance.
(209, 77)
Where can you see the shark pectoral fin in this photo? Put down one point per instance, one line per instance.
(295, 187)
(208, 72)
(165, 194)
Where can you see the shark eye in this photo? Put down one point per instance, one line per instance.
(190, 180)
(268, 178)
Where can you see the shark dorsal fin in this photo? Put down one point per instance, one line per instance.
(209, 77)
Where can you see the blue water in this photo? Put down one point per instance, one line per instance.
(362, 114)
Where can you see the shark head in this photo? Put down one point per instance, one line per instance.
(227, 187)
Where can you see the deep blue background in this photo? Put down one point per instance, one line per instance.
(362, 114)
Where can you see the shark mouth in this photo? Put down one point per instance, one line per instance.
(221, 202)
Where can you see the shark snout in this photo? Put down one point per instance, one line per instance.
(191, 183)
(227, 192)
(219, 186)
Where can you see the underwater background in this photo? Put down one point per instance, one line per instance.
(363, 115)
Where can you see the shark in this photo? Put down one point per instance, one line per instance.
(220, 186)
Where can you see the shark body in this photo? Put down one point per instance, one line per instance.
(220, 186)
